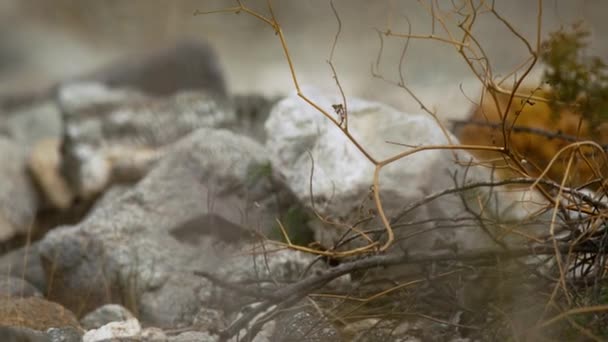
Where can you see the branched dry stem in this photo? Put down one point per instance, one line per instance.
(454, 27)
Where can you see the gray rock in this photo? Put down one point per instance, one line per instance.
(18, 197)
(188, 66)
(38, 121)
(24, 263)
(197, 209)
(153, 335)
(116, 135)
(252, 111)
(22, 334)
(126, 245)
(11, 286)
(209, 320)
(65, 334)
(37, 127)
(76, 99)
(104, 315)
(18, 100)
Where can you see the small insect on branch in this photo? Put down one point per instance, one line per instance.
(339, 109)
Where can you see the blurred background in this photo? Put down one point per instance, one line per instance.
(42, 42)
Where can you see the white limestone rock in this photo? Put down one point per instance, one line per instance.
(343, 176)
(114, 330)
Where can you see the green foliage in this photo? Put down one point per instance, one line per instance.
(578, 81)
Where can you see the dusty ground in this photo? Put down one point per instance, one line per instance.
(42, 41)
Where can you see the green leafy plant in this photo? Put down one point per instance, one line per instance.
(578, 81)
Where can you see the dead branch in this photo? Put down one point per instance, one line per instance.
(297, 291)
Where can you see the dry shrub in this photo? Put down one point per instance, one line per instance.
(507, 293)
(536, 132)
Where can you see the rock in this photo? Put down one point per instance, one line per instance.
(35, 313)
(24, 263)
(114, 330)
(78, 98)
(104, 315)
(45, 165)
(17, 287)
(22, 334)
(153, 335)
(194, 336)
(343, 176)
(32, 123)
(197, 209)
(187, 65)
(209, 320)
(115, 135)
(18, 99)
(252, 111)
(18, 197)
(126, 243)
(304, 326)
(65, 334)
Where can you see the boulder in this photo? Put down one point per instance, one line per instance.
(22, 334)
(18, 197)
(17, 287)
(24, 263)
(152, 334)
(125, 250)
(37, 126)
(65, 334)
(251, 111)
(343, 176)
(104, 315)
(129, 328)
(35, 313)
(114, 134)
(33, 122)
